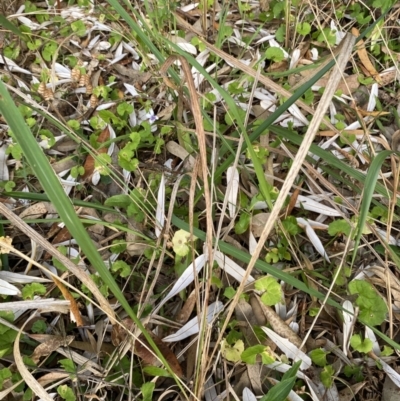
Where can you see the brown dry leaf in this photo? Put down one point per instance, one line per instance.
(93, 348)
(293, 200)
(364, 58)
(183, 315)
(179, 151)
(134, 243)
(245, 315)
(119, 333)
(51, 378)
(64, 164)
(349, 393)
(387, 77)
(366, 113)
(396, 141)
(278, 67)
(277, 324)
(62, 235)
(74, 306)
(191, 356)
(35, 211)
(264, 5)
(98, 229)
(135, 77)
(50, 344)
(142, 350)
(349, 85)
(258, 223)
(350, 132)
(89, 162)
(54, 230)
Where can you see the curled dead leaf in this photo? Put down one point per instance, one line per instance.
(258, 223)
(50, 344)
(142, 350)
(89, 162)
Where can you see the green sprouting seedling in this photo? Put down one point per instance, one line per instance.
(325, 35)
(5, 374)
(7, 335)
(233, 352)
(243, 223)
(274, 54)
(361, 345)
(147, 390)
(249, 355)
(327, 376)
(68, 365)
(318, 356)
(30, 290)
(78, 27)
(280, 252)
(101, 163)
(303, 28)
(121, 267)
(66, 393)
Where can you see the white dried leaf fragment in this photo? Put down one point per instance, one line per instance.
(12, 66)
(210, 393)
(184, 280)
(232, 177)
(4, 173)
(62, 71)
(18, 278)
(348, 319)
(8, 289)
(252, 243)
(231, 267)
(188, 47)
(290, 350)
(394, 376)
(34, 26)
(372, 97)
(131, 89)
(248, 395)
(314, 206)
(160, 216)
(313, 237)
(192, 327)
(375, 345)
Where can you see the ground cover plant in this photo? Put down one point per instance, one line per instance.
(199, 200)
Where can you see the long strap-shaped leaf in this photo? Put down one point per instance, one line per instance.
(369, 189)
(51, 185)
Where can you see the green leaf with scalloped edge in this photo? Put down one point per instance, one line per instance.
(361, 345)
(373, 309)
(272, 290)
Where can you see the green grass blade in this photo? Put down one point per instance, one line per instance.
(282, 389)
(6, 24)
(369, 190)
